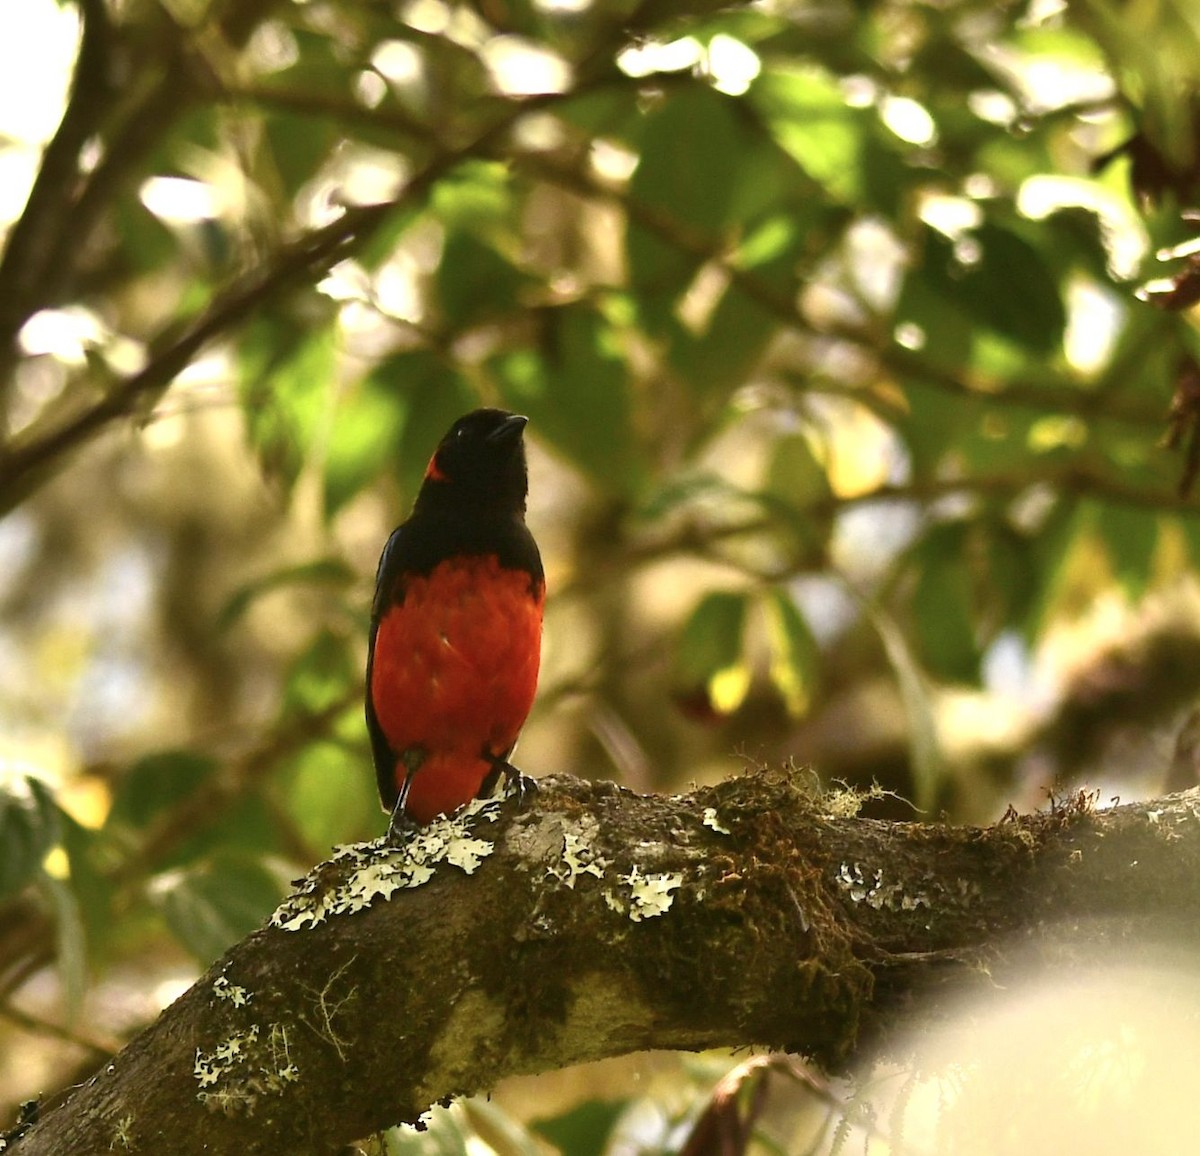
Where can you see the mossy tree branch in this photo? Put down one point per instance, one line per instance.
(601, 922)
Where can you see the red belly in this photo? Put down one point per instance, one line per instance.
(454, 675)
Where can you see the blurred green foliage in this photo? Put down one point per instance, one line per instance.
(842, 395)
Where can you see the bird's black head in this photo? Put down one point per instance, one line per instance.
(480, 462)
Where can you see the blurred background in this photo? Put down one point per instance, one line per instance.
(859, 346)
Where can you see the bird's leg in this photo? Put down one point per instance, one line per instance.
(401, 826)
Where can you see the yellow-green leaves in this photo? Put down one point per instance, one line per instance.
(711, 667)
(794, 658)
(716, 662)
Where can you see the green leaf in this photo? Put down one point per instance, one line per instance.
(474, 282)
(943, 329)
(30, 826)
(806, 110)
(723, 354)
(298, 145)
(70, 940)
(1009, 582)
(796, 495)
(1008, 289)
(91, 886)
(322, 675)
(160, 786)
(366, 428)
(585, 1129)
(886, 179)
(575, 392)
(211, 906)
(794, 475)
(431, 397)
(332, 572)
(709, 656)
(680, 490)
(158, 782)
(795, 658)
(146, 243)
(684, 183)
(942, 604)
(287, 373)
(477, 196)
(1130, 536)
(1056, 543)
(328, 791)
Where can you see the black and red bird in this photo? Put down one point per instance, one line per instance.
(456, 626)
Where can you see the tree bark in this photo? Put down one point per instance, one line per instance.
(596, 922)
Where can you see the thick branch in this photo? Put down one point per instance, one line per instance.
(600, 922)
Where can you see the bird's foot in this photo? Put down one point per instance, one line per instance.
(402, 827)
(516, 785)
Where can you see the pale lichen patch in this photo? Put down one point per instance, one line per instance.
(123, 1133)
(615, 903)
(379, 869)
(577, 859)
(223, 989)
(468, 854)
(227, 1055)
(650, 894)
(869, 887)
(240, 1069)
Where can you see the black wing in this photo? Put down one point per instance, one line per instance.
(391, 561)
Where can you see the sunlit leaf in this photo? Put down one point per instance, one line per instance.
(794, 474)
(287, 378)
(710, 654)
(30, 825)
(795, 659)
(807, 112)
(477, 196)
(329, 790)
(442, 1133)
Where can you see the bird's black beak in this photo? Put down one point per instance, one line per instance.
(508, 432)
